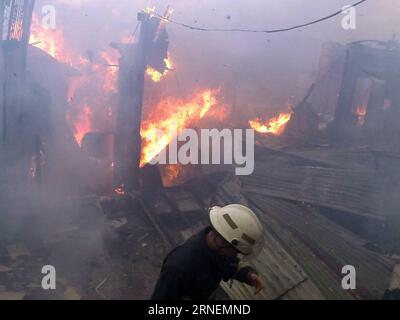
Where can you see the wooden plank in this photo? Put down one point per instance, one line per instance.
(153, 221)
(395, 281)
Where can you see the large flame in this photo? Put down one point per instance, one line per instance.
(275, 126)
(91, 92)
(173, 112)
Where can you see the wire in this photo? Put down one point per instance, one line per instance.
(133, 34)
(258, 31)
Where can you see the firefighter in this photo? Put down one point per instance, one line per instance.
(195, 269)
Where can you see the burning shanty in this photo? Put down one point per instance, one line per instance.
(94, 93)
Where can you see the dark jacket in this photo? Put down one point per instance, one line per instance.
(194, 271)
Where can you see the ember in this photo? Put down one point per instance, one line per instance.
(361, 113)
(172, 173)
(32, 170)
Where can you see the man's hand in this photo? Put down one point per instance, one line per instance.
(256, 282)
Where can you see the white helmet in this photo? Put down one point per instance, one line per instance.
(239, 226)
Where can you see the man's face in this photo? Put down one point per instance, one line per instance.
(224, 247)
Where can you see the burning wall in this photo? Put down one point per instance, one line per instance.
(92, 92)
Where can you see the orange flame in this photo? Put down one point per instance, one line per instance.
(172, 112)
(82, 124)
(100, 80)
(111, 71)
(52, 42)
(276, 125)
(155, 75)
(171, 174)
(44, 39)
(73, 84)
(361, 112)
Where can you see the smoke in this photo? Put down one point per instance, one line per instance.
(259, 74)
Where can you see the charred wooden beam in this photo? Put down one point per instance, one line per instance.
(374, 116)
(27, 21)
(131, 89)
(4, 114)
(19, 20)
(149, 214)
(133, 63)
(349, 82)
(372, 59)
(2, 8)
(14, 49)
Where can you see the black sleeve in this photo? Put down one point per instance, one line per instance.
(169, 286)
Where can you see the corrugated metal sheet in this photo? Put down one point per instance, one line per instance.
(331, 244)
(359, 158)
(304, 251)
(354, 191)
(282, 279)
